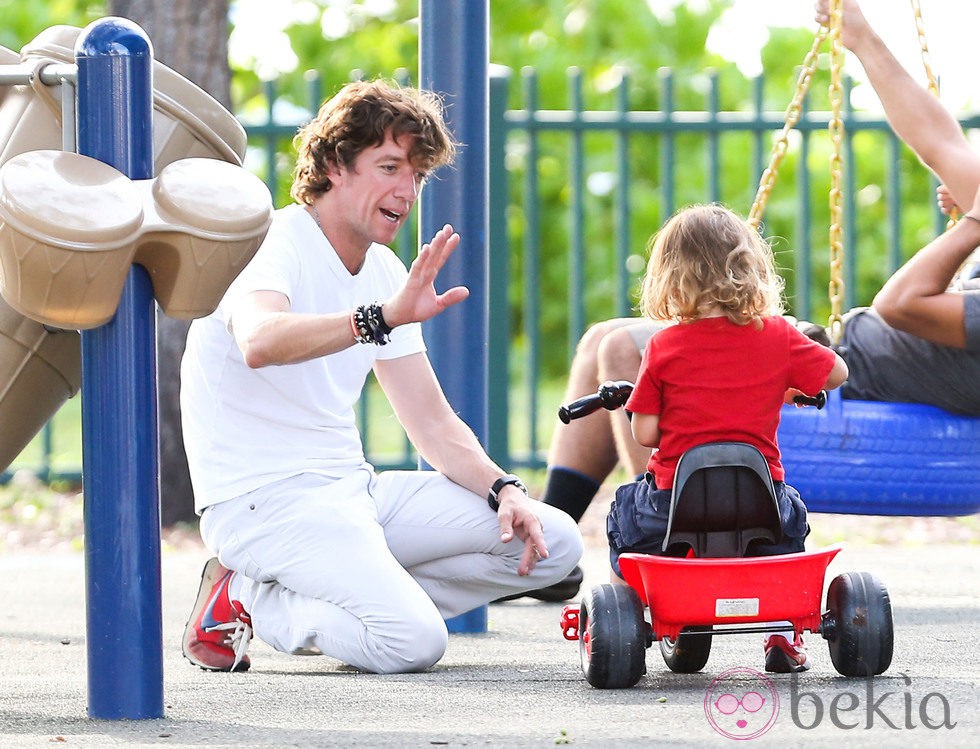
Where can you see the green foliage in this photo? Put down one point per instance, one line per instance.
(33, 514)
(22, 21)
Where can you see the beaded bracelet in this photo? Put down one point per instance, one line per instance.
(369, 326)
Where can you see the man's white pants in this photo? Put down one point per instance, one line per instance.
(366, 568)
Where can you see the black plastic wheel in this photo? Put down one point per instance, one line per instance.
(858, 624)
(612, 637)
(688, 653)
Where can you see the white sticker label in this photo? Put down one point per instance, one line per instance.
(736, 607)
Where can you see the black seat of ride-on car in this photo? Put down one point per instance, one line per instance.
(722, 501)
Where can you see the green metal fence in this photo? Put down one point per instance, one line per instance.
(804, 230)
(609, 199)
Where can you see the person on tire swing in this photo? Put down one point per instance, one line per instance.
(720, 372)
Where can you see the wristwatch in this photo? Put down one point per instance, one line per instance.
(499, 484)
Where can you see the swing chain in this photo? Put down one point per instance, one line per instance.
(920, 30)
(793, 113)
(836, 130)
(932, 81)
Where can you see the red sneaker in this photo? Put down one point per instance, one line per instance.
(218, 631)
(784, 657)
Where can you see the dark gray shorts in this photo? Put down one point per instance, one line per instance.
(637, 521)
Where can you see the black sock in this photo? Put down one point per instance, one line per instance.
(569, 490)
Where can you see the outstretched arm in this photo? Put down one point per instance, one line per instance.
(268, 332)
(916, 116)
(917, 298)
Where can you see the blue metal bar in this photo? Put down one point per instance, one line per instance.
(803, 254)
(576, 209)
(645, 121)
(314, 91)
(679, 121)
(498, 381)
(758, 151)
(893, 197)
(714, 177)
(454, 43)
(532, 263)
(46, 450)
(667, 147)
(119, 418)
(271, 176)
(622, 208)
(849, 202)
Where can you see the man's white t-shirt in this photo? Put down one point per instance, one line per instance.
(246, 428)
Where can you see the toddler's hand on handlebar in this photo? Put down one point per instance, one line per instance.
(790, 394)
(794, 397)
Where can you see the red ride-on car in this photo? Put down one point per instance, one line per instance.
(705, 585)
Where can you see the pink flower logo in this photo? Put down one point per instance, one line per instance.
(741, 703)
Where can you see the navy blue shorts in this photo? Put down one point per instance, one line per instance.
(637, 521)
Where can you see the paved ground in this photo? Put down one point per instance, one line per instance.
(517, 685)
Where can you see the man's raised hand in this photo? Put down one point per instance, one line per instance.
(418, 300)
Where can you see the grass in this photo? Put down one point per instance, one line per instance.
(36, 515)
(65, 434)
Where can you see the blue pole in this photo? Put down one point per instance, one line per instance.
(119, 417)
(454, 61)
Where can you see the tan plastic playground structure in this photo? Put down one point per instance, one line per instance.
(187, 122)
(71, 227)
(39, 371)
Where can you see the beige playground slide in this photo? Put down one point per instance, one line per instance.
(71, 227)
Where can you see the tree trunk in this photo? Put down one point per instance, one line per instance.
(191, 37)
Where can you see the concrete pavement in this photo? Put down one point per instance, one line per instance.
(518, 685)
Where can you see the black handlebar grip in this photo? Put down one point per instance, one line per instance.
(611, 395)
(819, 400)
(582, 407)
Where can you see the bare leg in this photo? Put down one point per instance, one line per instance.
(916, 116)
(583, 452)
(587, 445)
(619, 359)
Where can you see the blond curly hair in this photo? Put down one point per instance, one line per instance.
(705, 258)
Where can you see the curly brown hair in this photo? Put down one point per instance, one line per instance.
(360, 116)
(706, 257)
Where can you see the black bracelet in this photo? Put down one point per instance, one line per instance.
(369, 325)
(359, 324)
(377, 319)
